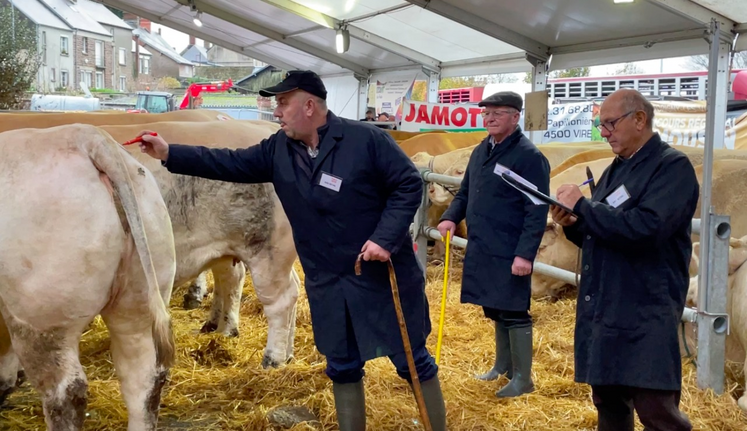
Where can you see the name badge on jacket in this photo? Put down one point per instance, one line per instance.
(618, 197)
(330, 182)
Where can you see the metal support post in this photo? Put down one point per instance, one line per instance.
(539, 83)
(713, 274)
(713, 320)
(362, 95)
(434, 80)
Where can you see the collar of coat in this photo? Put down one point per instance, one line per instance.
(508, 140)
(653, 144)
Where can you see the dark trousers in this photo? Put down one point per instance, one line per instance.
(657, 410)
(509, 319)
(350, 369)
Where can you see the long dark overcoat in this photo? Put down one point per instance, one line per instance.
(380, 190)
(635, 260)
(502, 223)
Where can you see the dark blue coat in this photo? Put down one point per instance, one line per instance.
(380, 192)
(634, 279)
(502, 223)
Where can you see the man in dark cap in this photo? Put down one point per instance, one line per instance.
(347, 189)
(504, 233)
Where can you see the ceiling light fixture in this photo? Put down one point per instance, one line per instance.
(342, 40)
(197, 21)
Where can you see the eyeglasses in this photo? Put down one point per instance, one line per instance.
(610, 125)
(496, 113)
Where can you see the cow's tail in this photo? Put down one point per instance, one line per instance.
(109, 158)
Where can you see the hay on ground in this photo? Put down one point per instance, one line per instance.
(218, 383)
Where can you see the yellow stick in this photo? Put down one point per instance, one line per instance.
(443, 301)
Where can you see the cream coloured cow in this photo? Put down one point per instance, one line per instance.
(736, 307)
(84, 231)
(43, 120)
(228, 227)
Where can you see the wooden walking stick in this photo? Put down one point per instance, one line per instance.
(405, 340)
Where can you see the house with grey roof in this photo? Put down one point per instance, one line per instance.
(55, 45)
(80, 41)
(164, 62)
(119, 65)
(92, 45)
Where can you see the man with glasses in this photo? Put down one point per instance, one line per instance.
(347, 189)
(634, 233)
(504, 233)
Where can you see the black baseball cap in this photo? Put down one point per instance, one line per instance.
(305, 80)
(503, 98)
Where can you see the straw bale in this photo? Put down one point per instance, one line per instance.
(218, 383)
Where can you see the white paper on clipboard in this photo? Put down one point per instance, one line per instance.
(500, 170)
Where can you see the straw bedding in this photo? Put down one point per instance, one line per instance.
(218, 383)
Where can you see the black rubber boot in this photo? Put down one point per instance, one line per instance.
(521, 357)
(350, 403)
(434, 403)
(502, 355)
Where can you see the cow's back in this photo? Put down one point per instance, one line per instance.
(12, 121)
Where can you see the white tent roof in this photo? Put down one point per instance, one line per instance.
(453, 37)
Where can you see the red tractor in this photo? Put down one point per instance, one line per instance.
(156, 102)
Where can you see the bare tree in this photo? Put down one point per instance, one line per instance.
(700, 62)
(629, 69)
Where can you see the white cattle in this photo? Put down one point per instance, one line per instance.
(84, 231)
(736, 307)
(225, 227)
(228, 227)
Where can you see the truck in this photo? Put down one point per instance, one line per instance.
(156, 102)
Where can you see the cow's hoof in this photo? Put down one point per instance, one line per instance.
(742, 403)
(190, 302)
(233, 333)
(268, 362)
(208, 328)
(20, 378)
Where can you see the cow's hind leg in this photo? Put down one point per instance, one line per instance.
(9, 365)
(229, 278)
(196, 292)
(278, 294)
(52, 364)
(141, 376)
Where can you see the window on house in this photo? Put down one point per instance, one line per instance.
(144, 65)
(86, 77)
(64, 46)
(122, 83)
(52, 75)
(122, 56)
(100, 80)
(63, 78)
(84, 46)
(99, 53)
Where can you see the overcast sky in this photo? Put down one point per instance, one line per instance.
(180, 41)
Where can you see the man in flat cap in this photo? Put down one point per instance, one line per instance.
(504, 233)
(347, 189)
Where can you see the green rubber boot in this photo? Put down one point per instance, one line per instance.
(502, 355)
(350, 403)
(521, 357)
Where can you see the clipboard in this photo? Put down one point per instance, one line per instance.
(537, 194)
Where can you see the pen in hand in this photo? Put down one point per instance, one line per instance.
(586, 182)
